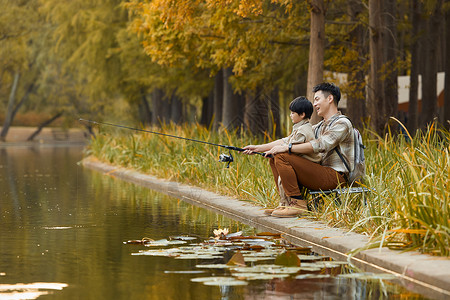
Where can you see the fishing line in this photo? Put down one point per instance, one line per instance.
(223, 157)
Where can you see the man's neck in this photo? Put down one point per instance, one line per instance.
(330, 113)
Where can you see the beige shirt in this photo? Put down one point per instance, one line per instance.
(339, 134)
(302, 132)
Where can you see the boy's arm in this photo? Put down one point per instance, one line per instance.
(304, 148)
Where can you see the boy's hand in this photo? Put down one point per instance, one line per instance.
(250, 149)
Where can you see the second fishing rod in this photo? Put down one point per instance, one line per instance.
(222, 158)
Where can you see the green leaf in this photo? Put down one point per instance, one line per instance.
(288, 259)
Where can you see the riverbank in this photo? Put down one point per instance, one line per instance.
(421, 273)
(18, 135)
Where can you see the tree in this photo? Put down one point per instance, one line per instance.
(20, 32)
(251, 39)
(414, 70)
(316, 49)
(447, 71)
(430, 52)
(390, 67)
(376, 88)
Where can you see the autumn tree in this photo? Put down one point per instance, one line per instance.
(18, 55)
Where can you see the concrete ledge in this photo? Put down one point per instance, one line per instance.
(421, 273)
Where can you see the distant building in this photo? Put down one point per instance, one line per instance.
(403, 90)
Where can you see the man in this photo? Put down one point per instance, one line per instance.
(296, 172)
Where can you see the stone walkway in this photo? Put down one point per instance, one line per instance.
(420, 273)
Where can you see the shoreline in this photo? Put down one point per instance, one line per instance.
(18, 135)
(421, 273)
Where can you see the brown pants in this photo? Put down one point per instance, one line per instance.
(297, 172)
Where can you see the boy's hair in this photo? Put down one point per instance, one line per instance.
(302, 105)
(329, 88)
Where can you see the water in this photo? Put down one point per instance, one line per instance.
(66, 225)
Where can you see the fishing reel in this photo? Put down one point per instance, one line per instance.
(226, 158)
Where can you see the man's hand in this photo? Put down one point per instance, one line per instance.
(277, 149)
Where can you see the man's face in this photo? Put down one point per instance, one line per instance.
(321, 103)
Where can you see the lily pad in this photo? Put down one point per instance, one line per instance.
(163, 242)
(236, 260)
(288, 258)
(312, 276)
(304, 257)
(259, 276)
(185, 272)
(369, 276)
(183, 238)
(219, 281)
(214, 266)
(197, 256)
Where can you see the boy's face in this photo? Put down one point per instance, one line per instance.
(295, 117)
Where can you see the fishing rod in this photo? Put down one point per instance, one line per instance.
(222, 158)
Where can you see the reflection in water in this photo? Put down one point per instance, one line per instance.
(63, 223)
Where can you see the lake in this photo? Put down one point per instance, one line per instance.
(64, 228)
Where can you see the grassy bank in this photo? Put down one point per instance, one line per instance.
(409, 208)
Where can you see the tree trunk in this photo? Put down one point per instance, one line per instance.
(43, 124)
(275, 113)
(176, 109)
(429, 78)
(256, 112)
(391, 81)
(414, 74)
(207, 110)
(157, 105)
(10, 109)
(145, 114)
(231, 103)
(376, 88)
(356, 95)
(316, 50)
(447, 72)
(218, 99)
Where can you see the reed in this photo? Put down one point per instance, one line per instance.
(408, 208)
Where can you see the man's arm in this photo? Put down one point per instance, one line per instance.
(304, 148)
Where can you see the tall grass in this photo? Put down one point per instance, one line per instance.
(408, 208)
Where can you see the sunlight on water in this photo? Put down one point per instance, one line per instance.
(29, 290)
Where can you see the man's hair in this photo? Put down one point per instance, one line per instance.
(302, 105)
(329, 88)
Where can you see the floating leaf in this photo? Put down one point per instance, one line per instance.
(288, 258)
(236, 260)
(214, 266)
(259, 276)
(184, 272)
(310, 257)
(196, 256)
(259, 258)
(239, 233)
(183, 238)
(369, 276)
(299, 250)
(219, 281)
(163, 242)
(312, 276)
(273, 235)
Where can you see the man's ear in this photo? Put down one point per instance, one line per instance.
(330, 98)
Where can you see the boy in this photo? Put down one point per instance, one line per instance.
(302, 132)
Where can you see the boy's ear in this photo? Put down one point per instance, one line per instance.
(303, 115)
